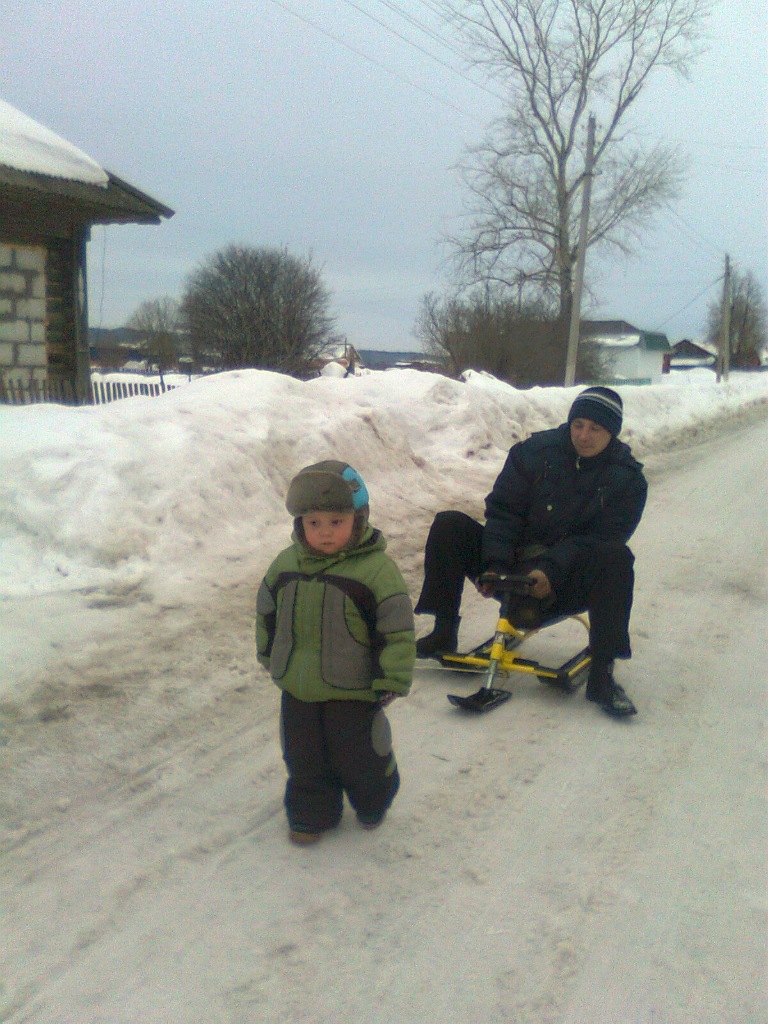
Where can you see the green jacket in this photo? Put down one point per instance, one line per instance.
(336, 627)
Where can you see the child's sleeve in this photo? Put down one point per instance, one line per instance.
(266, 610)
(394, 623)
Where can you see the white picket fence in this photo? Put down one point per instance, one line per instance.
(16, 392)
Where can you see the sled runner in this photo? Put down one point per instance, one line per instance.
(519, 620)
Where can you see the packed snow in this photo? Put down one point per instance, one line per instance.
(542, 864)
(160, 494)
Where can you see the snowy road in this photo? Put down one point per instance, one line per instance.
(542, 864)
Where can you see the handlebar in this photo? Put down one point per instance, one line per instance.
(520, 586)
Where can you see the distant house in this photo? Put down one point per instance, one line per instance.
(50, 195)
(112, 347)
(631, 355)
(373, 359)
(340, 352)
(687, 355)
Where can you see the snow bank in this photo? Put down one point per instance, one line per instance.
(171, 488)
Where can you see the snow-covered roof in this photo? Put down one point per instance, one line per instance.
(620, 334)
(688, 345)
(610, 333)
(680, 362)
(615, 340)
(27, 146)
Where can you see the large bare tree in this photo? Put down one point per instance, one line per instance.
(748, 322)
(558, 61)
(258, 307)
(483, 331)
(157, 320)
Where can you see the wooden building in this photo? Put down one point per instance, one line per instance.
(50, 196)
(687, 355)
(630, 355)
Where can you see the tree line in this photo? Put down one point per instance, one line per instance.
(512, 264)
(242, 307)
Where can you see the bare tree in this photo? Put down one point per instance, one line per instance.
(258, 307)
(483, 331)
(748, 322)
(559, 61)
(157, 320)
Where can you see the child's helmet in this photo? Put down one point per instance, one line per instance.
(329, 486)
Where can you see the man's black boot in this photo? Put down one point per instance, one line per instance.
(444, 638)
(603, 689)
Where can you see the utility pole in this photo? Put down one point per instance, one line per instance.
(724, 353)
(581, 253)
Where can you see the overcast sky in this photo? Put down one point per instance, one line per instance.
(312, 125)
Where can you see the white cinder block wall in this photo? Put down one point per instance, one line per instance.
(23, 355)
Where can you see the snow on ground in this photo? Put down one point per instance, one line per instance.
(542, 864)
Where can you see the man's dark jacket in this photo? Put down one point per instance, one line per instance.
(548, 505)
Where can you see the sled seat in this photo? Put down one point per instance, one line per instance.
(520, 618)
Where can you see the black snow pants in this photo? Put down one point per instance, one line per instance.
(332, 747)
(601, 582)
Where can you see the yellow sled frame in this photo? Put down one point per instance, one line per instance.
(499, 655)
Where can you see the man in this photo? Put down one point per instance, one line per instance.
(561, 512)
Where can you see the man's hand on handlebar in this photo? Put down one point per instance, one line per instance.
(486, 583)
(534, 584)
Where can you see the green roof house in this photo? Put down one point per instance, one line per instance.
(631, 355)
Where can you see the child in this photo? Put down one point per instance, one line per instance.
(335, 629)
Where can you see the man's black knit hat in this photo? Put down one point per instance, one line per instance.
(602, 405)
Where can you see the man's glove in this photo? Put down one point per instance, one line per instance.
(541, 588)
(486, 583)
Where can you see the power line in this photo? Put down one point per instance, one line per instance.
(732, 168)
(689, 304)
(454, 48)
(421, 49)
(691, 231)
(371, 60)
(724, 145)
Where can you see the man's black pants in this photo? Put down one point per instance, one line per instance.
(600, 583)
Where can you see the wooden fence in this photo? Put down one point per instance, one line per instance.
(17, 392)
(111, 391)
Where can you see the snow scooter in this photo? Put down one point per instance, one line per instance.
(518, 621)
